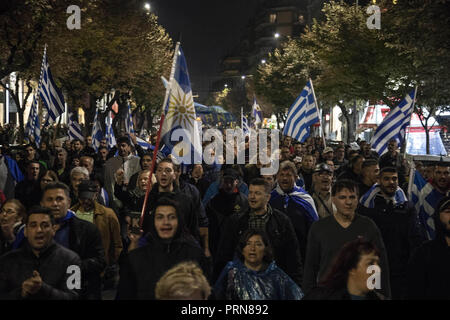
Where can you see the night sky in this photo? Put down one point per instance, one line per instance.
(209, 30)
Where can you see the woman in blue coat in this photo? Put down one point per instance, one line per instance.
(254, 275)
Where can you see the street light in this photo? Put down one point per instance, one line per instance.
(263, 61)
(276, 35)
(243, 77)
(226, 86)
(147, 7)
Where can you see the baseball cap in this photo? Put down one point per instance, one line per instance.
(327, 149)
(230, 173)
(323, 167)
(87, 189)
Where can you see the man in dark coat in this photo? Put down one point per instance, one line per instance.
(386, 204)
(261, 216)
(78, 235)
(228, 202)
(41, 268)
(168, 245)
(428, 269)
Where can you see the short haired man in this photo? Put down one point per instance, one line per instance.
(262, 216)
(386, 204)
(321, 190)
(78, 235)
(41, 268)
(428, 276)
(294, 202)
(339, 158)
(393, 158)
(327, 236)
(328, 153)
(228, 202)
(353, 172)
(306, 170)
(28, 190)
(165, 176)
(369, 172)
(77, 175)
(125, 160)
(104, 218)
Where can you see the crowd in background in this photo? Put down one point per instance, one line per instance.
(219, 231)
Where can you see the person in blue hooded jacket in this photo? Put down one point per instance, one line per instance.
(254, 275)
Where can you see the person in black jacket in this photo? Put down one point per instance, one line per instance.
(348, 276)
(78, 235)
(227, 203)
(428, 269)
(397, 220)
(262, 217)
(165, 176)
(167, 246)
(41, 269)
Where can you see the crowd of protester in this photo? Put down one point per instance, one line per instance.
(218, 231)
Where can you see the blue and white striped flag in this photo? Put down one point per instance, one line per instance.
(429, 198)
(256, 112)
(302, 115)
(49, 92)
(180, 132)
(97, 134)
(245, 127)
(74, 127)
(129, 127)
(33, 127)
(110, 138)
(368, 199)
(394, 125)
(415, 186)
(144, 144)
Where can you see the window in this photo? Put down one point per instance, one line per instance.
(273, 17)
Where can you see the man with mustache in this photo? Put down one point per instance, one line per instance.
(386, 204)
(321, 193)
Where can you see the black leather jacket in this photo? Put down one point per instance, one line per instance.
(52, 264)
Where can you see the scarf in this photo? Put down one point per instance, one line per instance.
(297, 197)
(368, 200)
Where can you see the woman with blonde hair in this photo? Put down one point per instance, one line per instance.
(12, 215)
(185, 281)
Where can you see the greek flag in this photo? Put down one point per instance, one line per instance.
(144, 144)
(297, 198)
(256, 112)
(302, 114)
(429, 198)
(49, 92)
(394, 125)
(97, 134)
(74, 128)
(180, 133)
(368, 199)
(415, 186)
(129, 127)
(33, 127)
(245, 127)
(110, 138)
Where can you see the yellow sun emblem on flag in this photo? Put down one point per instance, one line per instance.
(181, 109)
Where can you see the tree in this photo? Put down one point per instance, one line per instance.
(419, 31)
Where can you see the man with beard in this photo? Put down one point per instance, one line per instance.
(430, 195)
(41, 268)
(428, 268)
(328, 235)
(386, 204)
(321, 192)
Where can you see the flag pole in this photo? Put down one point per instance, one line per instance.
(410, 118)
(317, 108)
(158, 138)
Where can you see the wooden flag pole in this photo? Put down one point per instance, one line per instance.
(158, 138)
